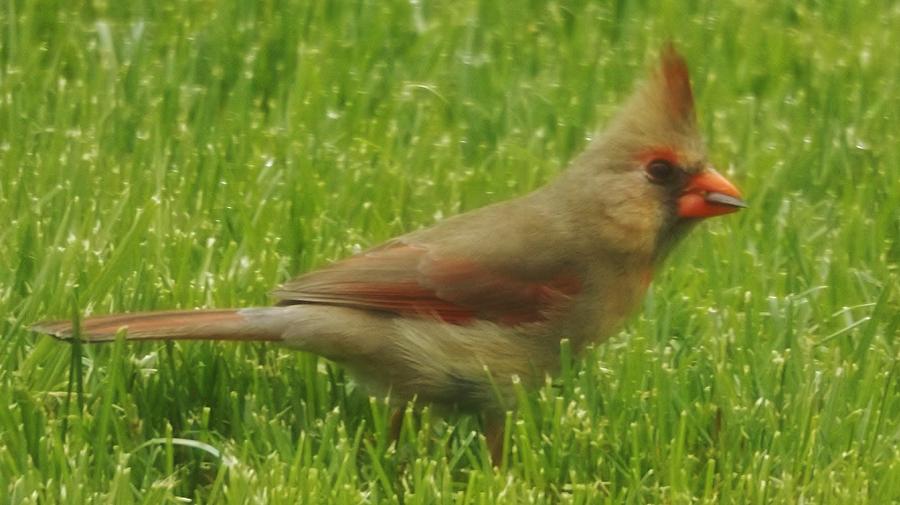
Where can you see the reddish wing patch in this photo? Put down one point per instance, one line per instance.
(492, 296)
(677, 80)
(411, 280)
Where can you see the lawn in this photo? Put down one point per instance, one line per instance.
(195, 154)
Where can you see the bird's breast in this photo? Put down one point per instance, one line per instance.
(609, 298)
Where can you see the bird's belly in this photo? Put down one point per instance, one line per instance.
(469, 367)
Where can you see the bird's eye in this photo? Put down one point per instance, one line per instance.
(661, 171)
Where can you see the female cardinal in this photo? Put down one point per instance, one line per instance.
(451, 314)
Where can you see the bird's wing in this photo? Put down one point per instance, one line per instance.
(412, 279)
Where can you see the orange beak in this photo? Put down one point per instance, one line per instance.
(709, 194)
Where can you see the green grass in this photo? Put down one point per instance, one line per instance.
(167, 154)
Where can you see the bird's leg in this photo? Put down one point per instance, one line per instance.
(494, 426)
(396, 425)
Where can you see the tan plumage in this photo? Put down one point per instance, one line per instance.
(450, 314)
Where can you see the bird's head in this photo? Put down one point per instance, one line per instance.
(650, 176)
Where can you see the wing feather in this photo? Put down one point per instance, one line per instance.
(410, 279)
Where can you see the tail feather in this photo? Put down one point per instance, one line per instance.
(216, 324)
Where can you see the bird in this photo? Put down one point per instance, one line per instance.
(455, 314)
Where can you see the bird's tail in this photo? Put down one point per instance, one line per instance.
(215, 324)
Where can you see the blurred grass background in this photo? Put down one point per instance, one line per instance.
(191, 154)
